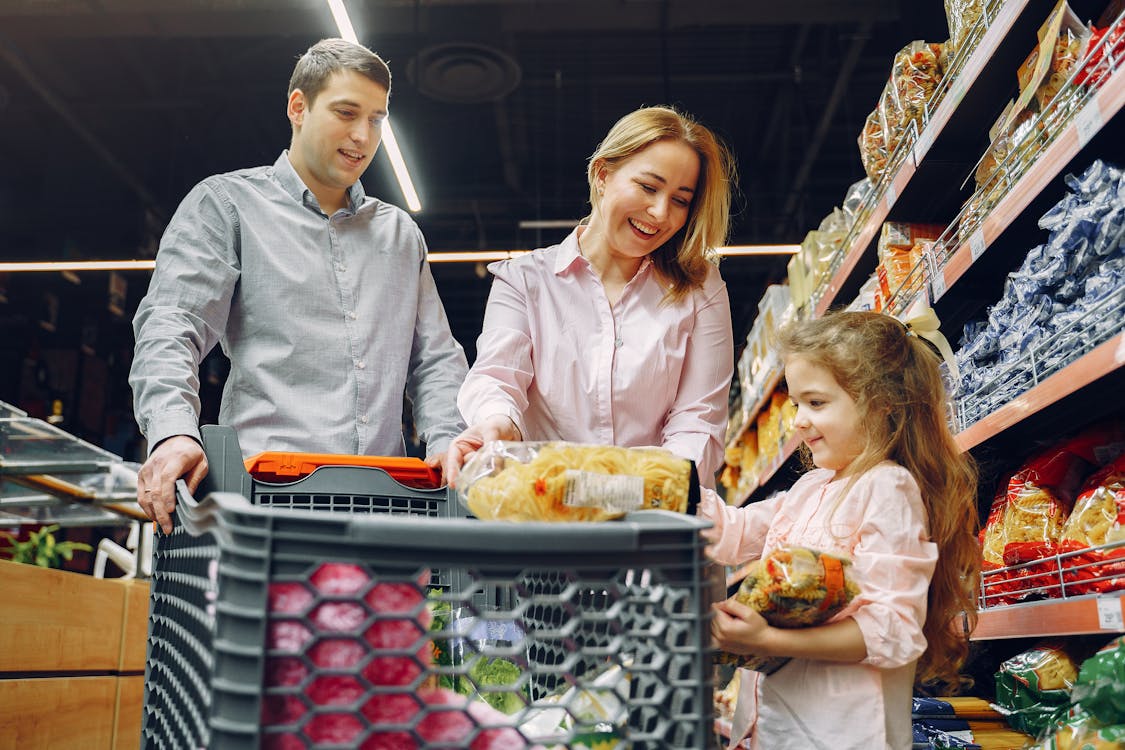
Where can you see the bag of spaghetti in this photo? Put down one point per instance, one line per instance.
(793, 587)
(559, 481)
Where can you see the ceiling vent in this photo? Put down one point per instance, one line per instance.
(464, 73)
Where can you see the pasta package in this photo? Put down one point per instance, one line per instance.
(793, 587)
(559, 481)
(1034, 686)
(1100, 687)
(916, 72)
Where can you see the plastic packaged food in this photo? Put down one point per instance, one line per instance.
(873, 146)
(916, 73)
(793, 587)
(1100, 686)
(558, 481)
(962, 16)
(1034, 686)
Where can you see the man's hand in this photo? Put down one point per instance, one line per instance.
(496, 427)
(178, 456)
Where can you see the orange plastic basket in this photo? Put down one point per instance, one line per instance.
(280, 467)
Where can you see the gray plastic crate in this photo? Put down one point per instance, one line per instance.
(227, 662)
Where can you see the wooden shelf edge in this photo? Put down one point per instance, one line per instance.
(1054, 617)
(1107, 101)
(1104, 359)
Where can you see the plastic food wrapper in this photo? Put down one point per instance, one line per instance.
(873, 146)
(1034, 686)
(916, 72)
(962, 16)
(593, 715)
(793, 587)
(900, 250)
(1100, 687)
(558, 481)
(1105, 47)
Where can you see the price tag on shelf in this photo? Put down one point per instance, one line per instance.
(1088, 123)
(937, 286)
(1109, 613)
(892, 196)
(976, 244)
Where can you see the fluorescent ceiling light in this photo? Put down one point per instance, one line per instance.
(390, 143)
(549, 224)
(737, 250)
(86, 265)
(475, 256)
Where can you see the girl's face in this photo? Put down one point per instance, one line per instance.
(827, 417)
(646, 199)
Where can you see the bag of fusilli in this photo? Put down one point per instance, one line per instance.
(793, 587)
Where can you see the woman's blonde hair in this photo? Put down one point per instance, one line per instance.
(894, 379)
(683, 260)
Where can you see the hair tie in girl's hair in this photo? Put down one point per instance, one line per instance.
(924, 324)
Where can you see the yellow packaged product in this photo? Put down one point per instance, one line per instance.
(558, 481)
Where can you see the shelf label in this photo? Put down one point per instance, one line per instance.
(976, 244)
(1088, 123)
(922, 145)
(1109, 614)
(892, 196)
(937, 286)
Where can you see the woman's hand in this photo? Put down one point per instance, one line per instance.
(738, 629)
(496, 427)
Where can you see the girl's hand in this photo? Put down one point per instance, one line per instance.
(738, 629)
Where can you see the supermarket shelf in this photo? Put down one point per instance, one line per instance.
(1104, 359)
(956, 119)
(1100, 613)
(752, 415)
(788, 448)
(1100, 109)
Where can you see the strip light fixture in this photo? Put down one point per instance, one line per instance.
(390, 143)
(470, 256)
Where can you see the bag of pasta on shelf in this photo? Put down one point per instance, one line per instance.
(916, 72)
(1100, 686)
(962, 16)
(560, 481)
(792, 587)
(1094, 526)
(1033, 687)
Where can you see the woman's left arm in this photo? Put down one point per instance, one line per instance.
(696, 423)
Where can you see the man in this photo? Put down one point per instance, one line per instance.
(320, 296)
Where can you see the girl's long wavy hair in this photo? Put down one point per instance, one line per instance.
(893, 377)
(684, 258)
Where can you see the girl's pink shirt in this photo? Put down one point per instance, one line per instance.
(565, 365)
(881, 525)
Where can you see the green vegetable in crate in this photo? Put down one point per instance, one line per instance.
(793, 587)
(495, 673)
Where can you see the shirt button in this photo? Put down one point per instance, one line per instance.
(342, 268)
(361, 365)
(351, 315)
(619, 343)
(363, 419)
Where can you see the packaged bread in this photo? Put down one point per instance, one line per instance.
(559, 481)
(793, 587)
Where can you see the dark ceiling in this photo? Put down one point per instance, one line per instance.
(110, 110)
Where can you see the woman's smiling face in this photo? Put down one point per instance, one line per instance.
(646, 198)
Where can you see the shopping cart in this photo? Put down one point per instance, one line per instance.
(276, 626)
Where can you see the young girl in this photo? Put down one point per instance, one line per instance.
(893, 493)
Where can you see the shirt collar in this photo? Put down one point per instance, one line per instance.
(292, 184)
(570, 252)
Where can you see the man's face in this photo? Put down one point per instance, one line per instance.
(336, 136)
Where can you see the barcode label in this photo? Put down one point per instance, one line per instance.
(615, 493)
(976, 244)
(1109, 614)
(1088, 123)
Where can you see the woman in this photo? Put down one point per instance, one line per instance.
(621, 333)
